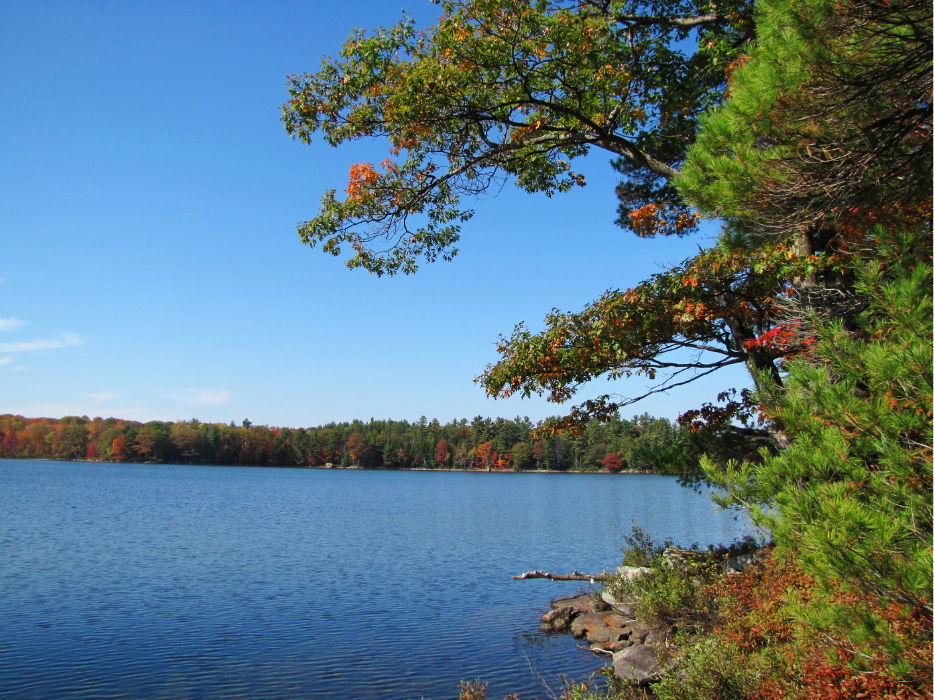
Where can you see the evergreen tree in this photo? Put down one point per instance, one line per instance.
(851, 495)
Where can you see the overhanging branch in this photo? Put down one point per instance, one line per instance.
(685, 22)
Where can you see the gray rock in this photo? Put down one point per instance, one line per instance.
(630, 572)
(637, 631)
(616, 621)
(599, 605)
(556, 613)
(602, 634)
(741, 561)
(581, 603)
(637, 664)
(591, 625)
(657, 635)
(621, 608)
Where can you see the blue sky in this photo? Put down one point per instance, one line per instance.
(149, 261)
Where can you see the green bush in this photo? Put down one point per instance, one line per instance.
(711, 669)
(674, 594)
(641, 550)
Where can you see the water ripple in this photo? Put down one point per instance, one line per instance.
(166, 581)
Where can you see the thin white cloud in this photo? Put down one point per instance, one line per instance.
(66, 340)
(5, 360)
(103, 396)
(11, 323)
(19, 368)
(204, 396)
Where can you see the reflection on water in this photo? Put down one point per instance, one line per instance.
(166, 581)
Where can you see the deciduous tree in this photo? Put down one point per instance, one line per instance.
(443, 452)
(504, 88)
(484, 454)
(501, 89)
(521, 456)
(613, 462)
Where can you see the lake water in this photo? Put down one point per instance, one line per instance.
(167, 581)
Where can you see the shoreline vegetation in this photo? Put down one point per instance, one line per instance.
(642, 445)
(725, 622)
(471, 470)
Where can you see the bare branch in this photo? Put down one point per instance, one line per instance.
(685, 22)
(561, 577)
(665, 387)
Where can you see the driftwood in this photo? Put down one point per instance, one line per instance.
(594, 650)
(576, 576)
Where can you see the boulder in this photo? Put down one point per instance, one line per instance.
(592, 626)
(741, 561)
(599, 605)
(637, 631)
(553, 614)
(615, 620)
(637, 664)
(581, 603)
(616, 606)
(630, 572)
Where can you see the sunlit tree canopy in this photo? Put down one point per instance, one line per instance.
(511, 89)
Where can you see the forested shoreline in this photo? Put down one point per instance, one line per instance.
(642, 443)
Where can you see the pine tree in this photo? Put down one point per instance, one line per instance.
(851, 495)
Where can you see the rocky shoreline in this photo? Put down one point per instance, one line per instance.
(608, 630)
(638, 648)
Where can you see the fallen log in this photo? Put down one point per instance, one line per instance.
(576, 576)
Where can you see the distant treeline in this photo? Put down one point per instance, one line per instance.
(482, 443)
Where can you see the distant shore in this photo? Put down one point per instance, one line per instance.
(616, 445)
(350, 468)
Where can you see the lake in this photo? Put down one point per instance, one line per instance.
(170, 581)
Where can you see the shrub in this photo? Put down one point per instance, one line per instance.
(471, 690)
(711, 669)
(640, 549)
(759, 648)
(676, 595)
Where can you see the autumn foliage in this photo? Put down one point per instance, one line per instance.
(613, 462)
(783, 660)
(479, 444)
